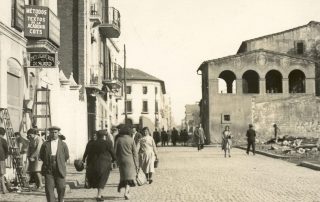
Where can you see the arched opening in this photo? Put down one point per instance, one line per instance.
(250, 82)
(227, 82)
(297, 82)
(14, 92)
(273, 82)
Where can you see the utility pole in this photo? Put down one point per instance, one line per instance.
(125, 85)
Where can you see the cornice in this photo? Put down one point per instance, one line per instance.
(13, 34)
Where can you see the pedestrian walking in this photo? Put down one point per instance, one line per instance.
(226, 141)
(184, 137)
(175, 136)
(54, 153)
(251, 138)
(147, 154)
(127, 159)
(156, 136)
(88, 158)
(35, 163)
(199, 137)
(4, 152)
(100, 155)
(114, 133)
(136, 137)
(164, 137)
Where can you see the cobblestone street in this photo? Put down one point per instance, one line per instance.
(184, 174)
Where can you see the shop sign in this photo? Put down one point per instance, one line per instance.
(42, 60)
(36, 21)
(18, 15)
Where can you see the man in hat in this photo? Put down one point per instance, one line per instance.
(251, 138)
(54, 153)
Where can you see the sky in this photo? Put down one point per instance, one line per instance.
(169, 39)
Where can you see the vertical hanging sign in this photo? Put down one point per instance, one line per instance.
(18, 15)
(36, 21)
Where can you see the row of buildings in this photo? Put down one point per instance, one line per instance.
(61, 64)
(273, 79)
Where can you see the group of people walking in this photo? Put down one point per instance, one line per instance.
(130, 150)
(174, 136)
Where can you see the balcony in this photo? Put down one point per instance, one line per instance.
(94, 80)
(110, 28)
(95, 15)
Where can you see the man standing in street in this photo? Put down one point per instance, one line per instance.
(156, 137)
(54, 153)
(251, 138)
(175, 136)
(276, 132)
(4, 151)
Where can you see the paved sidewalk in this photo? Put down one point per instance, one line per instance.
(184, 174)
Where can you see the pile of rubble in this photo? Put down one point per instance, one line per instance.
(294, 145)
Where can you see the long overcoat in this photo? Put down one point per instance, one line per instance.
(127, 157)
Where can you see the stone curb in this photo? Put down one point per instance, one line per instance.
(310, 165)
(276, 156)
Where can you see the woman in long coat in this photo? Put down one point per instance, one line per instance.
(88, 157)
(100, 155)
(35, 164)
(147, 154)
(127, 159)
(226, 141)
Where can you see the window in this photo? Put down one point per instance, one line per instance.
(225, 118)
(144, 89)
(129, 106)
(145, 107)
(300, 48)
(156, 90)
(36, 2)
(156, 107)
(128, 89)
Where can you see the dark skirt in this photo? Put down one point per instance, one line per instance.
(97, 181)
(124, 183)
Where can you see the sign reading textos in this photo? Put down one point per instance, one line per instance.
(42, 60)
(36, 21)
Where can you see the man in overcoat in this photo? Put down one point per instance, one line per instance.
(251, 138)
(54, 153)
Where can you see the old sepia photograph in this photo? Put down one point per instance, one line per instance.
(160, 100)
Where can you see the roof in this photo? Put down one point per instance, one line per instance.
(278, 33)
(255, 51)
(138, 75)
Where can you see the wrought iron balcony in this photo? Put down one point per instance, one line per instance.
(110, 28)
(113, 82)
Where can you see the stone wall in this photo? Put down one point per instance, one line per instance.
(297, 115)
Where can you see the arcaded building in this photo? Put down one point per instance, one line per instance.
(271, 79)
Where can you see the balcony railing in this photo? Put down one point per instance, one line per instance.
(110, 27)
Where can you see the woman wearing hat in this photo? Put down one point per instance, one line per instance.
(127, 159)
(101, 154)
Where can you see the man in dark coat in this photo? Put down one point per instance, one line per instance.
(54, 153)
(164, 137)
(4, 151)
(156, 136)
(251, 138)
(175, 136)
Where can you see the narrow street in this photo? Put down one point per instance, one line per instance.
(185, 174)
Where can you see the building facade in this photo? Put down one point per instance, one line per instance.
(89, 52)
(272, 79)
(192, 117)
(147, 104)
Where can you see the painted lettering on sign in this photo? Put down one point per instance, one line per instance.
(42, 59)
(36, 21)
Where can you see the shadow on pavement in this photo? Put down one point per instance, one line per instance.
(91, 199)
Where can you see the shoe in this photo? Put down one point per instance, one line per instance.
(126, 196)
(150, 181)
(99, 198)
(229, 155)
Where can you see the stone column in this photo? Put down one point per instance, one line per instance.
(285, 85)
(262, 86)
(239, 89)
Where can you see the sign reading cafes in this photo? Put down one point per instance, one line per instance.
(42, 60)
(36, 21)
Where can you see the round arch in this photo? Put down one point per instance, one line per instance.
(273, 81)
(250, 82)
(297, 81)
(227, 82)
